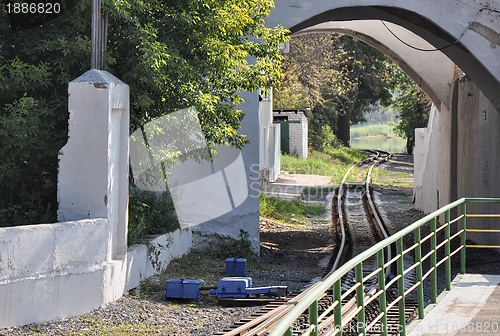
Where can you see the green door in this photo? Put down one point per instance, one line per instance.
(285, 136)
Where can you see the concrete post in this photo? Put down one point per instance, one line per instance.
(93, 165)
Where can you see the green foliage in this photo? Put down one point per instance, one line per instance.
(287, 211)
(97, 327)
(389, 178)
(172, 54)
(376, 116)
(226, 248)
(411, 105)
(150, 213)
(340, 78)
(324, 139)
(372, 130)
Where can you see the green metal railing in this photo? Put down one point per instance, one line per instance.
(334, 324)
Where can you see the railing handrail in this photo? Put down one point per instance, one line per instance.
(327, 283)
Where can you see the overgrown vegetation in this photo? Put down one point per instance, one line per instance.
(411, 105)
(337, 76)
(332, 162)
(172, 54)
(150, 213)
(389, 178)
(359, 131)
(285, 211)
(343, 81)
(97, 327)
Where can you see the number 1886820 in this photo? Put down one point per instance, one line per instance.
(34, 8)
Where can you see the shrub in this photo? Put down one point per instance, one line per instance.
(150, 213)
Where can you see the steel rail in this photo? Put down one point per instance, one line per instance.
(267, 321)
(334, 278)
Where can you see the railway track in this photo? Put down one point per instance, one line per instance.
(361, 227)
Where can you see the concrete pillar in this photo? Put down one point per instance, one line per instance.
(478, 157)
(93, 165)
(432, 162)
(246, 215)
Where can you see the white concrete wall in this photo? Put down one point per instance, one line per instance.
(146, 260)
(275, 152)
(441, 177)
(93, 166)
(432, 162)
(52, 271)
(265, 122)
(246, 215)
(478, 157)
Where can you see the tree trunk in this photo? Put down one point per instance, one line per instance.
(410, 142)
(343, 128)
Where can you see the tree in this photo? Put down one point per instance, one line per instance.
(411, 104)
(339, 76)
(173, 54)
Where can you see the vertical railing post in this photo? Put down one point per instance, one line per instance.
(420, 288)
(447, 249)
(313, 317)
(401, 287)
(434, 262)
(360, 299)
(381, 287)
(337, 294)
(463, 238)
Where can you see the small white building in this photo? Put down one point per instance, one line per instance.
(294, 130)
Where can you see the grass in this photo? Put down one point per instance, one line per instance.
(333, 162)
(284, 211)
(372, 130)
(388, 178)
(98, 327)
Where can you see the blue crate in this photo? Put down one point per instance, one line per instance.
(183, 289)
(236, 267)
(232, 287)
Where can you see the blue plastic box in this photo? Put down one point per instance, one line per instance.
(183, 289)
(236, 267)
(232, 287)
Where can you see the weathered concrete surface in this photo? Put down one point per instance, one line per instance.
(432, 162)
(52, 270)
(433, 71)
(146, 260)
(478, 157)
(470, 308)
(93, 165)
(245, 216)
(457, 156)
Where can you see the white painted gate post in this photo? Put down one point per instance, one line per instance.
(93, 165)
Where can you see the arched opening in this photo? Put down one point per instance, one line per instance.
(451, 39)
(420, 26)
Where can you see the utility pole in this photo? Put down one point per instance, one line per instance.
(98, 36)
